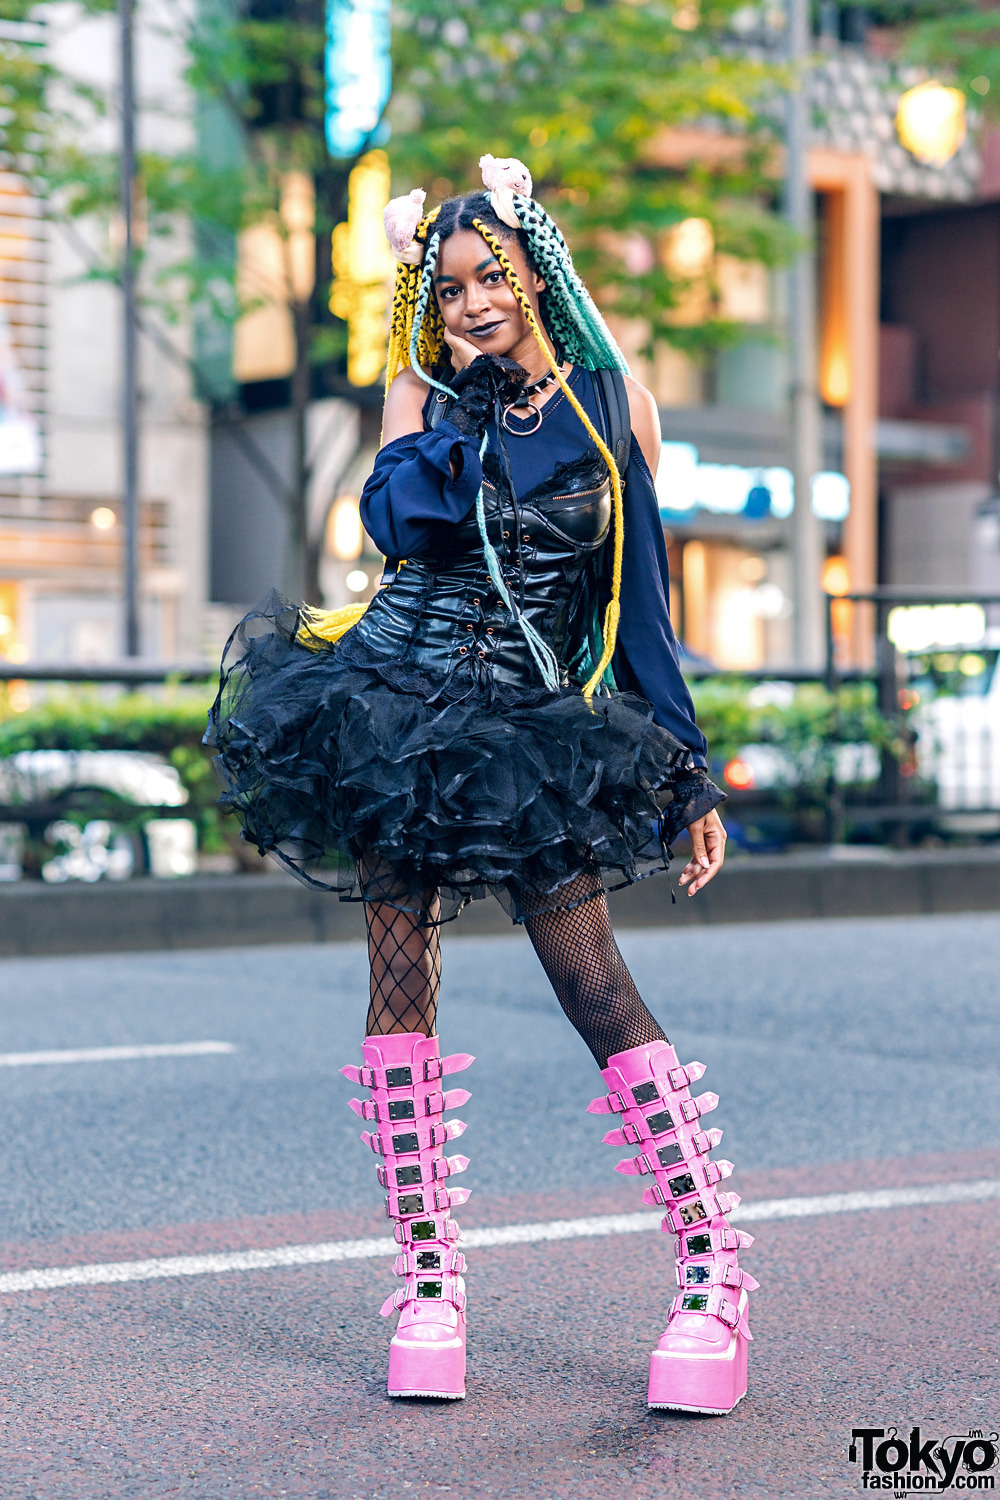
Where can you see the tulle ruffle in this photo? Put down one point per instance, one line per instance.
(365, 777)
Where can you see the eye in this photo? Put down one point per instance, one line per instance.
(447, 293)
(493, 278)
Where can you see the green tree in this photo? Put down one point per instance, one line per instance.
(959, 36)
(583, 89)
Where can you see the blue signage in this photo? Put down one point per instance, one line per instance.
(358, 74)
(684, 485)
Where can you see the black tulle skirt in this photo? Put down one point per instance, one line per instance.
(365, 777)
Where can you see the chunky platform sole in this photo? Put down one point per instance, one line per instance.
(712, 1384)
(702, 1411)
(433, 1370)
(432, 1395)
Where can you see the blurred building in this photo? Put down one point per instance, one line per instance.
(216, 441)
(60, 452)
(908, 267)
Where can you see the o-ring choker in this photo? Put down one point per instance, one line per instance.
(524, 401)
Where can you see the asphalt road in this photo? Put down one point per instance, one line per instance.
(849, 1055)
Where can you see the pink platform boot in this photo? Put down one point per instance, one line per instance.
(700, 1363)
(403, 1073)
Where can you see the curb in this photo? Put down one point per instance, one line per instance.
(209, 911)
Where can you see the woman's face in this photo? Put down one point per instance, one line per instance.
(475, 300)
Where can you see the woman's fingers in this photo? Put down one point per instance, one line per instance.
(463, 353)
(699, 861)
(708, 845)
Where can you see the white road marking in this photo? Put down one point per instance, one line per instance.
(106, 1273)
(113, 1054)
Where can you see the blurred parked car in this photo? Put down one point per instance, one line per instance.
(954, 702)
(83, 805)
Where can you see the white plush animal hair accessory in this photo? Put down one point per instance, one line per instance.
(401, 217)
(503, 179)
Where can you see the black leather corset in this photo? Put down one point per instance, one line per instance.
(442, 614)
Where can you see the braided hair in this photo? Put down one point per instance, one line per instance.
(578, 332)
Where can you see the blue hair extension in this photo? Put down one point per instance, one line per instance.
(597, 348)
(419, 311)
(544, 657)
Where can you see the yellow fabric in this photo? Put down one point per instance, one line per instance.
(319, 628)
(613, 612)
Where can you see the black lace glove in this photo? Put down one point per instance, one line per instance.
(694, 795)
(479, 387)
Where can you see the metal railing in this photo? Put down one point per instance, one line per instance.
(133, 671)
(946, 722)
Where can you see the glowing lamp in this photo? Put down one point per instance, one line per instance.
(689, 248)
(363, 268)
(344, 536)
(836, 579)
(739, 775)
(930, 122)
(103, 518)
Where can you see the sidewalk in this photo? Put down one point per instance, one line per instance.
(209, 911)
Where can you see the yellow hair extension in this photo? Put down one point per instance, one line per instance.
(319, 628)
(404, 302)
(613, 612)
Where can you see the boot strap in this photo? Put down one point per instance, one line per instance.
(444, 1288)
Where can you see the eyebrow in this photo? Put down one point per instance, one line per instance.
(490, 259)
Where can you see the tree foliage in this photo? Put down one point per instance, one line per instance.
(961, 37)
(584, 93)
(582, 89)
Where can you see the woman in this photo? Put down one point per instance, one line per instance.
(507, 716)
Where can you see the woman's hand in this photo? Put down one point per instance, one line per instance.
(462, 352)
(708, 846)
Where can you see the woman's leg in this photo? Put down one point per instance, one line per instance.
(405, 959)
(404, 951)
(404, 1071)
(700, 1362)
(585, 968)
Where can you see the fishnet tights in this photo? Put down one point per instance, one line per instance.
(405, 960)
(404, 952)
(579, 954)
(577, 950)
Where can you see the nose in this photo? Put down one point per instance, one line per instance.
(477, 302)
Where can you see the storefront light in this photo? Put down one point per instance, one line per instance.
(930, 122)
(836, 578)
(689, 247)
(344, 536)
(363, 269)
(924, 627)
(684, 485)
(358, 72)
(831, 496)
(770, 601)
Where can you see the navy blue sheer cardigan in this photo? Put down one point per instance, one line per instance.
(412, 495)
